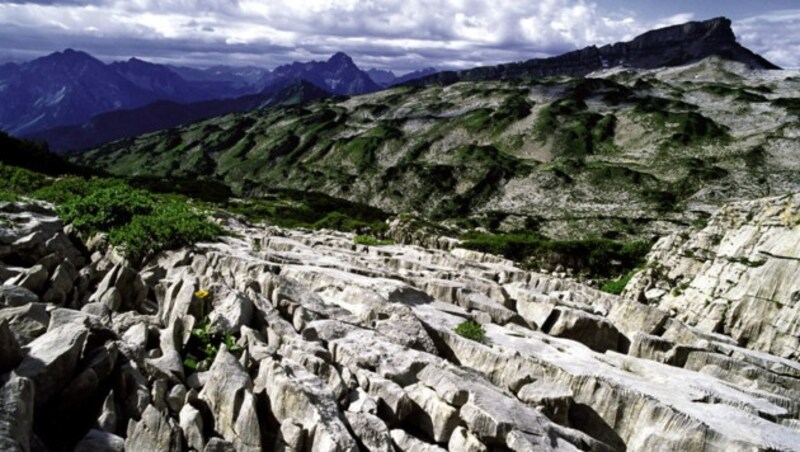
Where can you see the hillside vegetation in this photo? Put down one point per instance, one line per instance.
(626, 154)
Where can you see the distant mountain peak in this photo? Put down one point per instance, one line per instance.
(71, 54)
(341, 58)
(671, 46)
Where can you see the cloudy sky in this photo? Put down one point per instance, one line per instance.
(393, 34)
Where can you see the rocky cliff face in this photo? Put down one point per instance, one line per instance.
(671, 46)
(336, 346)
(739, 276)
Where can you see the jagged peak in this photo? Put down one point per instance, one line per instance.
(341, 58)
(69, 55)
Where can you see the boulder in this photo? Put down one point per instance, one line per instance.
(295, 393)
(12, 296)
(434, 416)
(293, 435)
(16, 413)
(191, 422)
(229, 395)
(591, 330)
(27, 322)
(155, 431)
(405, 442)
(371, 431)
(52, 358)
(463, 440)
(554, 400)
(108, 420)
(231, 312)
(33, 279)
(127, 282)
(100, 441)
(10, 352)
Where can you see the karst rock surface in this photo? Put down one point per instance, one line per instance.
(342, 347)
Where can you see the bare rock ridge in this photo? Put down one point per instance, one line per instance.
(341, 347)
(737, 276)
(676, 45)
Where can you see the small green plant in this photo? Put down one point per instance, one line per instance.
(371, 241)
(205, 342)
(472, 330)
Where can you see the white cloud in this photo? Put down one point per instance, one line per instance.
(773, 35)
(397, 34)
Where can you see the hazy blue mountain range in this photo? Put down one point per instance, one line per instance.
(71, 88)
(388, 78)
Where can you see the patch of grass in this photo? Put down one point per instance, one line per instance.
(472, 330)
(791, 104)
(306, 209)
(616, 286)
(700, 222)
(738, 93)
(514, 107)
(594, 256)
(575, 131)
(370, 240)
(687, 127)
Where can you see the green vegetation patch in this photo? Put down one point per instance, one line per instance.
(170, 225)
(687, 127)
(574, 131)
(735, 92)
(616, 286)
(472, 330)
(298, 209)
(137, 221)
(370, 240)
(791, 104)
(514, 108)
(20, 181)
(594, 256)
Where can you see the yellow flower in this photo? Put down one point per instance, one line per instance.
(201, 294)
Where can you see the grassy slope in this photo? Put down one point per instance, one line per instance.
(618, 152)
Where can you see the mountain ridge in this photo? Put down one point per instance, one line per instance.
(675, 45)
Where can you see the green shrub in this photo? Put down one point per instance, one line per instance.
(8, 196)
(20, 181)
(371, 241)
(69, 188)
(169, 225)
(472, 330)
(106, 208)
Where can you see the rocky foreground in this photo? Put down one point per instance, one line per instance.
(347, 347)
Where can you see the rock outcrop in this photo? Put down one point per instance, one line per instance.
(739, 276)
(315, 343)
